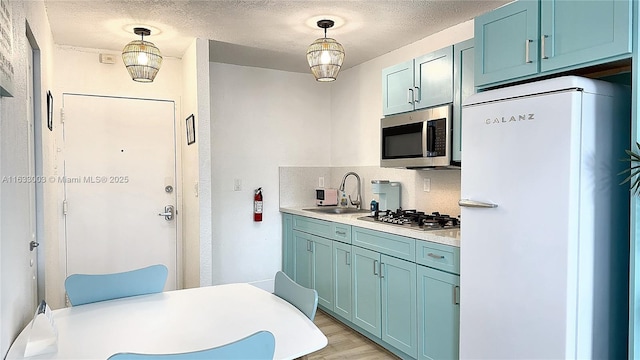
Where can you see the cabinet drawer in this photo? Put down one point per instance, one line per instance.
(393, 245)
(438, 256)
(313, 226)
(341, 232)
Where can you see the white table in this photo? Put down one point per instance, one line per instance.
(178, 321)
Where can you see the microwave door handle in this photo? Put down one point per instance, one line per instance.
(431, 139)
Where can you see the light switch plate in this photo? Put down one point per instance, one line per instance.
(321, 182)
(426, 185)
(237, 185)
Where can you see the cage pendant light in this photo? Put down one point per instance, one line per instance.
(142, 58)
(325, 55)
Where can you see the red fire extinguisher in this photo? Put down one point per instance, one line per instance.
(257, 205)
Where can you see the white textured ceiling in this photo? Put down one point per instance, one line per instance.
(238, 29)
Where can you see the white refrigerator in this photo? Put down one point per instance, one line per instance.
(544, 222)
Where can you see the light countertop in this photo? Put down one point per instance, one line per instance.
(446, 237)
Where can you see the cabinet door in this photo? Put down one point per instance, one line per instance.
(322, 271)
(397, 88)
(506, 43)
(438, 314)
(303, 258)
(399, 325)
(575, 32)
(288, 248)
(342, 280)
(433, 79)
(463, 87)
(366, 290)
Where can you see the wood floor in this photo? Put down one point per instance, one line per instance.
(345, 343)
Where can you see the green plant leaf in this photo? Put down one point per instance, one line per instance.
(633, 177)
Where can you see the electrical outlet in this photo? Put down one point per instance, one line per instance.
(321, 182)
(426, 185)
(237, 185)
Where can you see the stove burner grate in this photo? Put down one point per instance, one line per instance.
(415, 218)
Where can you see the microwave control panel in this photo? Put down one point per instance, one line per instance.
(437, 138)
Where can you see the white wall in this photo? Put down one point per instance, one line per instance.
(78, 70)
(196, 189)
(260, 119)
(16, 306)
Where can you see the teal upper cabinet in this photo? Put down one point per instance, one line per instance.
(463, 87)
(524, 38)
(574, 32)
(420, 83)
(433, 79)
(397, 88)
(506, 42)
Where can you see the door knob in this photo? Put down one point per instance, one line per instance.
(168, 212)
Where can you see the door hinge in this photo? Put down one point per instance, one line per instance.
(62, 115)
(65, 207)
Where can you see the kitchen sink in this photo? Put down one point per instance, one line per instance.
(338, 210)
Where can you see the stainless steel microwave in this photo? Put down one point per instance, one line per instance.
(417, 139)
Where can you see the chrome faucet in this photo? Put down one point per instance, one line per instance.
(358, 202)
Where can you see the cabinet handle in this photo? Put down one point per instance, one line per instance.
(526, 51)
(455, 295)
(417, 94)
(381, 270)
(341, 233)
(543, 46)
(435, 256)
(348, 258)
(410, 96)
(375, 267)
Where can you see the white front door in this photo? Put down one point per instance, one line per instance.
(119, 174)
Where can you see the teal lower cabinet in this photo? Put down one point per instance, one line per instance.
(384, 298)
(342, 299)
(438, 314)
(288, 248)
(399, 318)
(367, 307)
(313, 265)
(400, 292)
(303, 262)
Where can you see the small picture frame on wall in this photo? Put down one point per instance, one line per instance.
(191, 129)
(49, 110)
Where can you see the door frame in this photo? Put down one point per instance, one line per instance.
(38, 153)
(58, 110)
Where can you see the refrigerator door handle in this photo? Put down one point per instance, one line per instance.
(476, 204)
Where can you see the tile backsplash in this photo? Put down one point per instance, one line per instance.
(297, 185)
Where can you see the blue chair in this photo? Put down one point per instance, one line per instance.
(85, 288)
(305, 299)
(258, 346)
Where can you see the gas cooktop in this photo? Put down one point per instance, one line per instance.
(418, 220)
